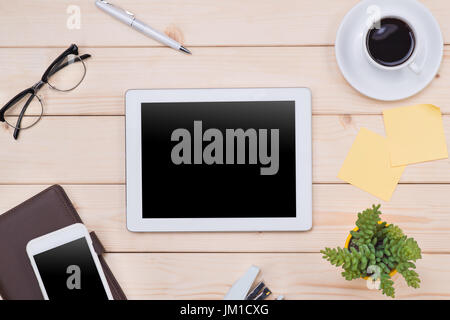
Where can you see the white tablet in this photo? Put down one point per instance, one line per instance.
(218, 159)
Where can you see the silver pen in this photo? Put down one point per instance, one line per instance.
(129, 19)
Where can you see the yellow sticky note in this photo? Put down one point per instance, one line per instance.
(367, 166)
(415, 134)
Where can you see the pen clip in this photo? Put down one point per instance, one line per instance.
(119, 8)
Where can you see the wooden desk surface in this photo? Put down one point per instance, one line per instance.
(253, 43)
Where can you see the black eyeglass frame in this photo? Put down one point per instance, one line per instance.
(33, 90)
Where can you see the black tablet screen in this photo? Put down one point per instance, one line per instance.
(218, 159)
(68, 272)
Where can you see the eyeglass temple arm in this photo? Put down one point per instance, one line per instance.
(65, 64)
(19, 119)
(73, 49)
(11, 102)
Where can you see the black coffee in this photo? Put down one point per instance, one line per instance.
(392, 44)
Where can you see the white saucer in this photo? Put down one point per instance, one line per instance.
(381, 84)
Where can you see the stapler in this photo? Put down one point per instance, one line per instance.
(241, 288)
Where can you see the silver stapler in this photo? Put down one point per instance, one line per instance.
(241, 289)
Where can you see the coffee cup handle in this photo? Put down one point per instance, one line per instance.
(415, 67)
(418, 63)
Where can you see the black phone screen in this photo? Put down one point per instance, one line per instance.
(69, 272)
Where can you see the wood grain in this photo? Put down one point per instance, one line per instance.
(112, 71)
(199, 23)
(91, 149)
(61, 149)
(420, 210)
(296, 276)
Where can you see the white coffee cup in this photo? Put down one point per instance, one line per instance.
(410, 63)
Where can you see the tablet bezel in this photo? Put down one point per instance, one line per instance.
(303, 219)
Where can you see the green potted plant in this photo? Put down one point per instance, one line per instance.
(377, 250)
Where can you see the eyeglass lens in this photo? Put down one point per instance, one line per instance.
(32, 113)
(67, 74)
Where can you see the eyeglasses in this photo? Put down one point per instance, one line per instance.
(64, 74)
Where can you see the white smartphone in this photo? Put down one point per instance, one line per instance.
(66, 265)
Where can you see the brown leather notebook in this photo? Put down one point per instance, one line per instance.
(46, 212)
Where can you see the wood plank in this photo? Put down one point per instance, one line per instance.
(296, 276)
(195, 23)
(61, 149)
(91, 149)
(420, 210)
(113, 71)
